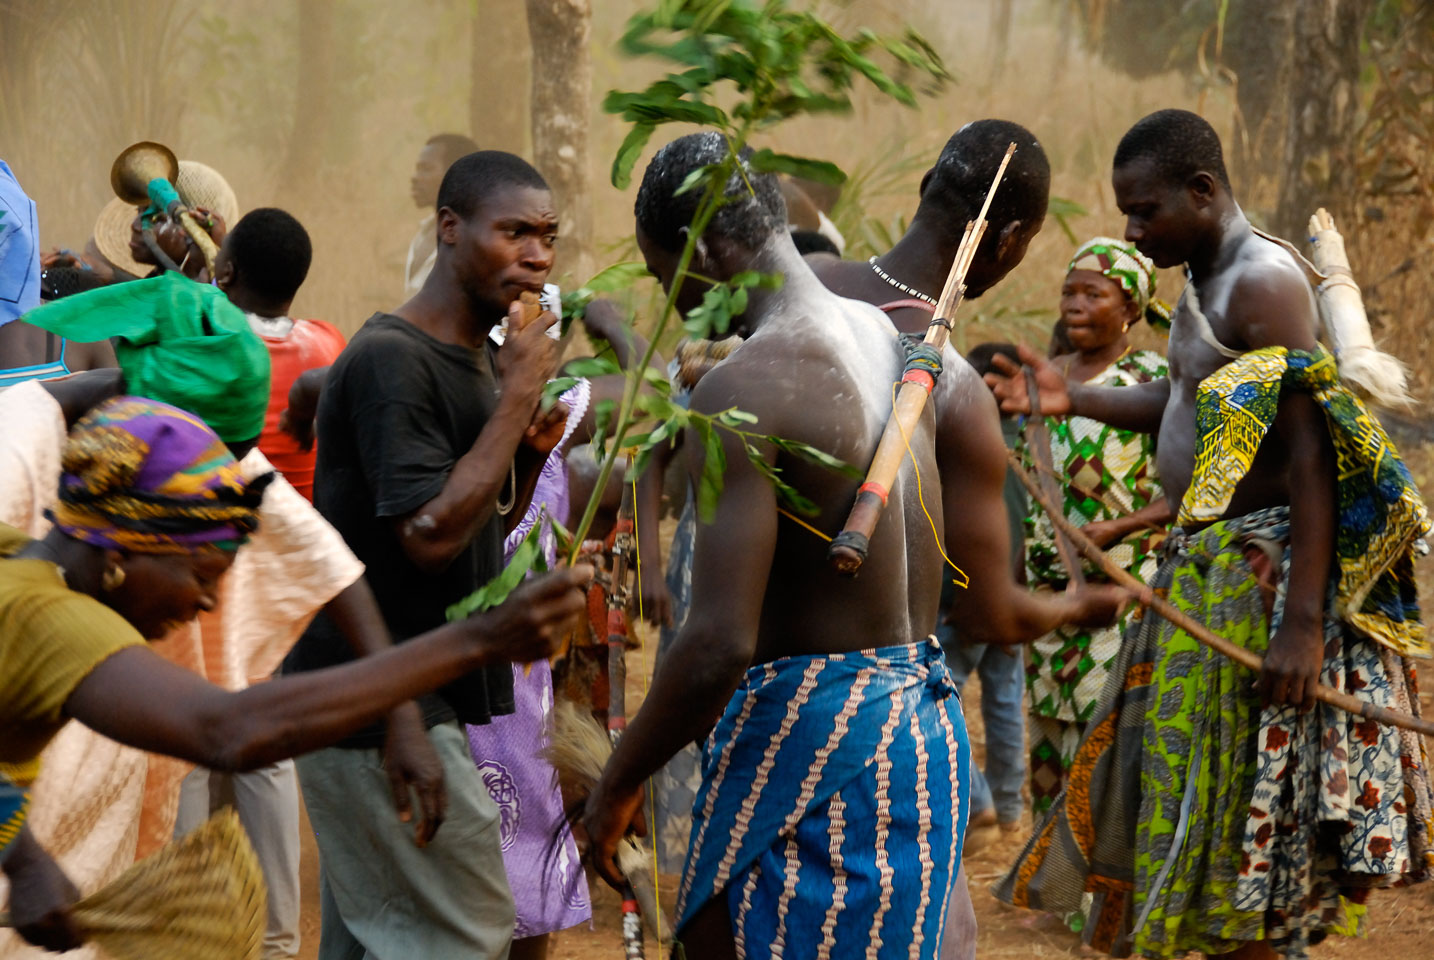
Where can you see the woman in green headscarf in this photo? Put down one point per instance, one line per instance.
(1110, 489)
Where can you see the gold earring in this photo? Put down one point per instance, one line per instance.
(113, 579)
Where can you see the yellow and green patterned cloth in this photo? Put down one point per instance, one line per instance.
(1381, 515)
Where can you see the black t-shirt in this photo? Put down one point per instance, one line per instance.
(399, 409)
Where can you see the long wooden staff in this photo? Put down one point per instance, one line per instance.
(1198, 630)
(1038, 439)
(849, 548)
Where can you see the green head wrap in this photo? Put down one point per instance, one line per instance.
(1127, 266)
(177, 341)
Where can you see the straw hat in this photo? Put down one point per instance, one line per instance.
(199, 185)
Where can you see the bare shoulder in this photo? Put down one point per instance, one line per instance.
(829, 269)
(813, 346)
(845, 278)
(968, 421)
(1270, 298)
(961, 388)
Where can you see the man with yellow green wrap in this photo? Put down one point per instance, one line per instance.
(1211, 808)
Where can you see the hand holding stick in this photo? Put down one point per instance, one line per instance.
(1199, 631)
(1039, 441)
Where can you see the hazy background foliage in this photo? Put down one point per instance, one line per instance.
(322, 106)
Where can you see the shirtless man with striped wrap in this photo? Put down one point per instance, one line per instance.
(833, 804)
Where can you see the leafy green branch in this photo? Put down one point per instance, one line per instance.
(782, 63)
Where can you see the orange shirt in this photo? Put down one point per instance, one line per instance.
(311, 343)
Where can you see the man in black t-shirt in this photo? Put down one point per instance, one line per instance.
(431, 439)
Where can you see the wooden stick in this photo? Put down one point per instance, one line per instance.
(1039, 441)
(849, 548)
(532, 308)
(1199, 631)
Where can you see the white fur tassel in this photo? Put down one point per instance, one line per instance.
(1380, 376)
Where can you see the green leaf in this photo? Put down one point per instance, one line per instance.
(821, 171)
(733, 417)
(527, 558)
(602, 418)
(554, 389)
(657, 381)
(619, 276)
(819, 457)
(658, 407)
(1064, 210)
(736, 305)
(795, 502)
(753, 278)
(628, 153)
(696, 178)
(591, 367)
(562, 536)
(714, 466)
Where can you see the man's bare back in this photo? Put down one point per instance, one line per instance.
(819, 369)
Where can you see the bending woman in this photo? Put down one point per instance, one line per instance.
(152, 508)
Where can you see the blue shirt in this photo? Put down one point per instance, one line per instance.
(19, 249)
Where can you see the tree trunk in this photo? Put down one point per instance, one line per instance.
(313, 105)
(1065, 33)
(502, 59)
(560, 33)
(1323, 111)
(1000, 37)
(1259, 44)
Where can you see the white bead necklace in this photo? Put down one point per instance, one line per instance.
(909, 291)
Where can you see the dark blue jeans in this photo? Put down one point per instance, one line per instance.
(1003, 712)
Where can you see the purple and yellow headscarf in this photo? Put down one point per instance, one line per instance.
(145, 477)
(1127, 266)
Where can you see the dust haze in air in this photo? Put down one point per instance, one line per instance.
(321, 108)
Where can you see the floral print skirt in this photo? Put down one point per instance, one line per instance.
(1200, 819)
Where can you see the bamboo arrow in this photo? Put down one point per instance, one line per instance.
(849, 548)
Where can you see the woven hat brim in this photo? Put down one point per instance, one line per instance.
(198, 184)
(112, 233)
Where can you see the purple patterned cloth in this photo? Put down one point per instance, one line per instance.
(550, 891)
(145, 477)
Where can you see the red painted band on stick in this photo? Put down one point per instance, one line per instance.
(871, 486)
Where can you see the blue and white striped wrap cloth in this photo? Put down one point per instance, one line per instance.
(833, 806)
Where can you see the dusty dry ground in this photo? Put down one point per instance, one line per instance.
(1401, 922)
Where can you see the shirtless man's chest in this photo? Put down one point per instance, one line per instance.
(1209, 312)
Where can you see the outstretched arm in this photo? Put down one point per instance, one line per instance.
(1138, 408)
(142, 700)
(731, 561)
(994, 608)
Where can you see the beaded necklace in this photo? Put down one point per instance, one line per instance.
(909, 291)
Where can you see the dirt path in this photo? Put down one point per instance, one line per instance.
(1400, 922)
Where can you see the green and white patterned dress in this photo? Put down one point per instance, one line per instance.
(1105, 473)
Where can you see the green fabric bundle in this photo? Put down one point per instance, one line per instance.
(178, 342)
